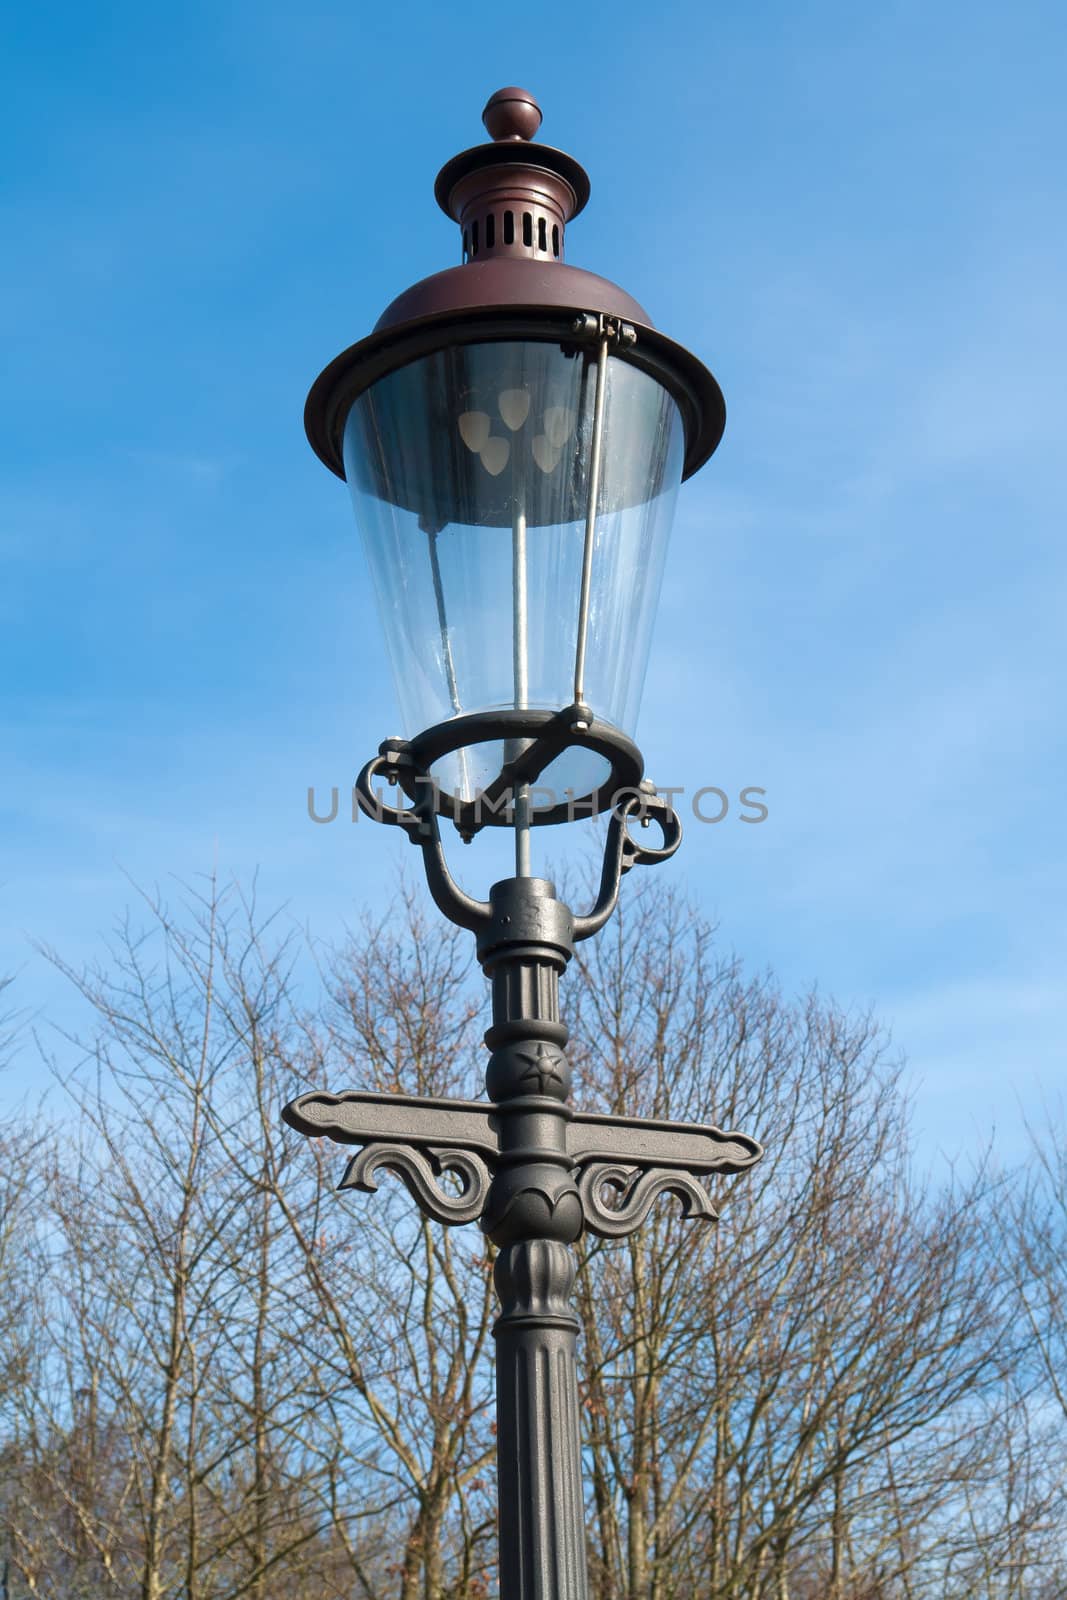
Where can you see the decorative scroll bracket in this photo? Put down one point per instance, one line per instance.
(424, 1140)
(421, 1174)
(636, 1192)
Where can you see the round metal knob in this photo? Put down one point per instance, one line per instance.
(512, 114)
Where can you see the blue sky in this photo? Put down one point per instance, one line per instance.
(855, 215)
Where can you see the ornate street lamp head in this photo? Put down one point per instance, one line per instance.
(513, 434)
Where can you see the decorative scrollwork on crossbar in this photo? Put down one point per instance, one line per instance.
(421, 1172)
(636, 1190)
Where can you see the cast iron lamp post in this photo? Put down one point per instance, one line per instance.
(513, 434)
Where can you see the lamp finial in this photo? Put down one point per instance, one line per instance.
(512, 114)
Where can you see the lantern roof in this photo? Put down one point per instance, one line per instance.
(512, 200)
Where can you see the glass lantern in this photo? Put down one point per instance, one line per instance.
(470, 473)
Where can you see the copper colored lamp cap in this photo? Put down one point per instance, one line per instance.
(512, 199)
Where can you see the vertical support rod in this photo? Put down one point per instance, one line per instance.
(590, 520)
(446, 647)
(442, 620)
(520, 667)
(533, 1215)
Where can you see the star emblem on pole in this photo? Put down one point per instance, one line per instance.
(543, 1069)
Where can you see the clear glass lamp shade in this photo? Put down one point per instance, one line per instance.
(469, 473)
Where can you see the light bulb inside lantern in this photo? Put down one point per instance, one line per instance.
(514, 407)
(559, 425)
(474, 429)
(494, 454)
(545, 453)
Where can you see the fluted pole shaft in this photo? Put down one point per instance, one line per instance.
(542, 1533)
(533, 1215)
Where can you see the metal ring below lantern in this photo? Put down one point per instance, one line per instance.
(545, 735)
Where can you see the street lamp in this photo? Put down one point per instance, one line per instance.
(513, 434)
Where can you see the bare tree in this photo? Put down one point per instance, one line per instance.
(228, 1378)
(408, 1314)
(1030, 1237)
(23, 1159)
(171, 1430)
(760, 1394)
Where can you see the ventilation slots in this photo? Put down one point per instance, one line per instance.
(538, 234)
